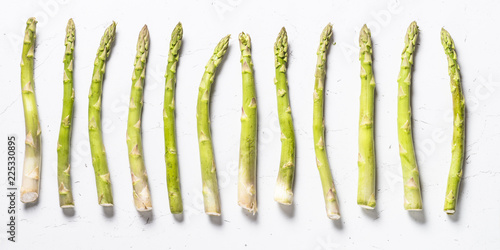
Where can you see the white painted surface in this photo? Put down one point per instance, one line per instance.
(305, 225)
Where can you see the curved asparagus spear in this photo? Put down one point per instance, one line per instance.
(64, 142)
(103, 181)
(174, 189)
(32, 157)
(457, 150)
(283, 191)
(247, 182)
(411, 179)
(142, 196)
(208, 172)
(366, 157)
(329, 192)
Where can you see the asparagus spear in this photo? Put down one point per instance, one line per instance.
(329, 192)
(247, 181)
(457, 150)
(103, 181)
(142, 196)
(283, 192)
(411, 179)
(32, 157)
(366, 157)
(174, 189)
(64, 142)
(208, 172)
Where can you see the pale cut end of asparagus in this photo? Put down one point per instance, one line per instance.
(144, 208)
(334, 216)
(366, 207)
(414, 209)
(282, 194)
(250, 207)
(29, 197)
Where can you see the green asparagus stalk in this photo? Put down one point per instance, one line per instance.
(411, 179)
(64, 142)
(99, 161)
(283, 191)
(141, 194)
(366, 157)
(247, 181)
(457, 150)
(171, 160)
(32, 158)
(208, 172)
(329, 192)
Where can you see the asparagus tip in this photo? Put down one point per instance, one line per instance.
(178, 28)
(327, 30)
(364, 35)
(111, 29)
(144, 34)
(244, 39)
(282, 36)
(446, 39)
(177, 34)
(31, 20)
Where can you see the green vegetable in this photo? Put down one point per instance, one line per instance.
(283, 192)
(208, 172)
(142, 196)
(247, 181)
(411, 179)
(329, 192)
(171, 160)
(64, 143)
(103, 181)
(457, 149)
(32, 157)
(366, 157)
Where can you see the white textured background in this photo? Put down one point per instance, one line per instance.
(473, 26)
